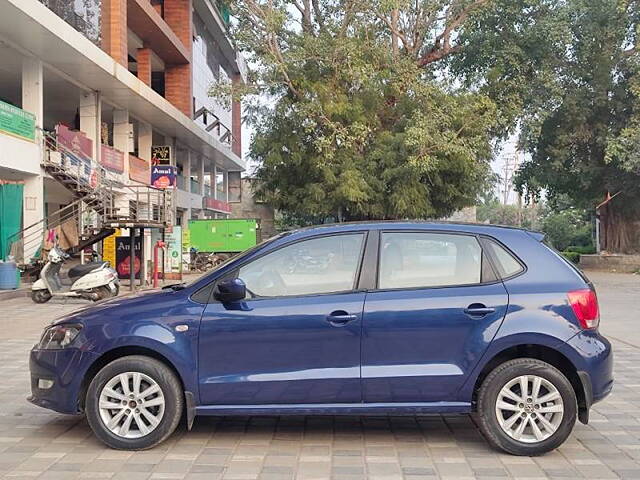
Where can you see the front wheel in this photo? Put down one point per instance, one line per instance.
(526, 407)
(40, 296)
(134, 403)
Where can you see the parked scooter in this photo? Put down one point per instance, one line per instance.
(93, 281)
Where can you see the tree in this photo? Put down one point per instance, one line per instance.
(362, 123)
(568, 73)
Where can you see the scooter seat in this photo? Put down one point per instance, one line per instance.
(81, 270)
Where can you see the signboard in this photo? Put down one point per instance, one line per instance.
(164, 176)
(109, 248)
(112, 159)
(173, 256)
(123, 257)
(138, 169)
(75, 141)
(218, 205)
(161, 155)
(186, 239)
(17, 122)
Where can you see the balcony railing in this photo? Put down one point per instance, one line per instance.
(87, 24)
(195, 186)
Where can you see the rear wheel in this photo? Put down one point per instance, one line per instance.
(526, 407)
(40, 296)
(134, 403)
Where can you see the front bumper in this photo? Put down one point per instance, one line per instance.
(66, 368)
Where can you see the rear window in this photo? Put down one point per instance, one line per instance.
(505, 262)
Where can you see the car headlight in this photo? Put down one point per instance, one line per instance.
(58, 337)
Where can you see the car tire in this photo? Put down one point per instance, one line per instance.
(148, 426)
(498, 401)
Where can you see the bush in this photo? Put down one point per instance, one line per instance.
(573, 257)
(567, 228)
(589, 250)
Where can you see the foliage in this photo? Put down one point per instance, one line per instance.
(573, 257)
(568, 72)
(361, 123)
(567, 228)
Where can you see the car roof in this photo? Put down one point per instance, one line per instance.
(475, 228)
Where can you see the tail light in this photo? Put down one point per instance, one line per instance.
(585, 306)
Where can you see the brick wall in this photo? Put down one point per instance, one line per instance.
(114, 30)
(178, 82)
(144, 65)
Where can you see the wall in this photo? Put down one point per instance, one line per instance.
(206, 72)
(248, 208)
(19, 155)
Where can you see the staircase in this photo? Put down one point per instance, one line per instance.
(103, 201)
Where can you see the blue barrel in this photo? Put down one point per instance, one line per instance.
(8, 276)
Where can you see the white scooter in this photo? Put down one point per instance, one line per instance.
(93, 281)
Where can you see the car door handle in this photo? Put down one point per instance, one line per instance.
(478, 310)
(340, 318)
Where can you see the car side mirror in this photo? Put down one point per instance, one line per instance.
(230, 291)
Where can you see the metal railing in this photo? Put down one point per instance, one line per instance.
(88, 25)
(102, 200)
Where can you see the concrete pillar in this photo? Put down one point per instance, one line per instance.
(144, 65)
(186, 175)
(114, 30)
(201, 176)
(121, 141)
(145, 141)
(33, 202)
(91, 120)
(236, 122)
(214, 182)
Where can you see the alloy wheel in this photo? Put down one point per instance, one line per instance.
(131, 405)
(529, 409)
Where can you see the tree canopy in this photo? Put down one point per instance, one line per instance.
(361, 124)
(569, 75)
(389, 108)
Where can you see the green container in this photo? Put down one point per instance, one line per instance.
(223, 236)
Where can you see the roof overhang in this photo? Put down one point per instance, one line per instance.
(31, 28)
(147, 24)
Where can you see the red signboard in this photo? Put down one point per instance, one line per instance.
(218, 205)
(139, 170)
(75, 141)
(112, 159)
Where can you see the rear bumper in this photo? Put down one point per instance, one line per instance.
(593, 357)
(65, 369)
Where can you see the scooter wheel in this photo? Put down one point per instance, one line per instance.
(40, 296)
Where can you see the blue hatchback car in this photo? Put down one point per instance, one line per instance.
(360, 319)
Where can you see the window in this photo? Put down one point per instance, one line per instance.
(315, 266)
(506, 264)
(412, 260)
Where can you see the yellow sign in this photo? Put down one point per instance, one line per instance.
(186, 240)
(109, 248)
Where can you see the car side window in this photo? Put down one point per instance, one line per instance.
(316, 266)
(506, 264)
(416, 259)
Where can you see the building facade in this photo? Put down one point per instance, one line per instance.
(99, 87)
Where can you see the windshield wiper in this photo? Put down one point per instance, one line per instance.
(175, 287)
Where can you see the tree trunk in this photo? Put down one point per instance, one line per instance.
(395, 44)
(619, 230)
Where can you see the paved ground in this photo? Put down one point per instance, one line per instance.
(36, 443)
